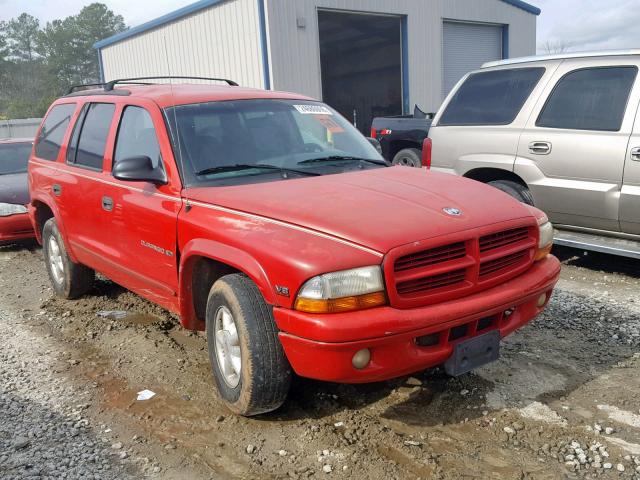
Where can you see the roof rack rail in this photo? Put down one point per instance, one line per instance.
(73, 88)
(108, 86)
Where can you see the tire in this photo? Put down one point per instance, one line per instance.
(69, 280)
(515, 189)
(408, 157)
(260, 382)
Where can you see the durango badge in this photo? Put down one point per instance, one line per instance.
(454, 212)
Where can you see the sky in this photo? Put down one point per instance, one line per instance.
(574, 24)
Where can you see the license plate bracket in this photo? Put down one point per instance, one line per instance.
(473, 353)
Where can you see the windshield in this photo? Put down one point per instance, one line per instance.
(242, 141)
(14, 157)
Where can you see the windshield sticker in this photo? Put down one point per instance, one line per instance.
(330, 124)
(313, 109)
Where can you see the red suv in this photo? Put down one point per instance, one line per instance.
(269, 221)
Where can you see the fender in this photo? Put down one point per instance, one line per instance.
(49, 202)
(234, 257)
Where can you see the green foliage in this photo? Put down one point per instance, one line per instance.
(39, 64)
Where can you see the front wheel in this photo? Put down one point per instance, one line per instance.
(515, 189)
(69, 280)
(408, 157)
(250, 370)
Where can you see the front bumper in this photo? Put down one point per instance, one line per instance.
(322, 346)
(15, 227)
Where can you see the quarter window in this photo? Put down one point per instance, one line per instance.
(93, 136)
(137, 136)
(493, 97)
(589, 99)
(52, 132)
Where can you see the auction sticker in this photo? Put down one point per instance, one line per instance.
(313, 109)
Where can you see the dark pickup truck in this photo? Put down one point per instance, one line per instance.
(401, 136)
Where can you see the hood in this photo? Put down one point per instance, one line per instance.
(14, 188)
(379, 208)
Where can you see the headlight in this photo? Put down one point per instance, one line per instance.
(7, 209)
(342, 291)
(545, 238)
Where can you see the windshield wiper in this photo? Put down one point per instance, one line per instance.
(333, 158)
(248, 166)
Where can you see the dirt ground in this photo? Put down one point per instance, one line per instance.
(563, 401)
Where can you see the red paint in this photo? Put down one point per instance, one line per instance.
(15, 228)
(285, 232)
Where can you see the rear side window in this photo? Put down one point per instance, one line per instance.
(93, 135)
(491, 98)
(589, 99)
(137, 136)
(52, 132)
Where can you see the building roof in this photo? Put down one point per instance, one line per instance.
(168, 95)
(202, 4)
(562, 56)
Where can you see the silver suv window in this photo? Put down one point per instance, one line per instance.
(589, 99)
(491, 98)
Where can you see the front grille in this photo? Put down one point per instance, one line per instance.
(500, 239)
(500, 264)
(443, 272)
(433, 282)
(431, 256)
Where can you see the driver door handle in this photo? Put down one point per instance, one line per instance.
(635, 154)
(540, 148)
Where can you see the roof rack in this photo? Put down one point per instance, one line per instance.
(108, 86)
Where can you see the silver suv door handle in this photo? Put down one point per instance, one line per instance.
(635, 154)
(540, 148)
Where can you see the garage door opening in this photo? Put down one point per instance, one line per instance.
(465, 47)
(361, 62)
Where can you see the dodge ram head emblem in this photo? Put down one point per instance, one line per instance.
(452, 211)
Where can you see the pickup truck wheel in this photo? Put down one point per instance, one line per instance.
(408, 157)
(516, 190)
(250, 370)
(69, 280)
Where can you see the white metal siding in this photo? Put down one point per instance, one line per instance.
(465, 47)
(220, 41)
(295, 54)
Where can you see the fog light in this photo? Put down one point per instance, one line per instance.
(361, 358)
(542, 299)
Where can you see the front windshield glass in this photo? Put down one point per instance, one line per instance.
(14, 157)
(243, 141)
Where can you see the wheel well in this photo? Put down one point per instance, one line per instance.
(398, 145)
(42, 214)
(205, 273)
(486, 175)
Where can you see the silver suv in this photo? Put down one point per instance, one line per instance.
(561, 132)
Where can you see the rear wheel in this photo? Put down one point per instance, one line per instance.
(408, 157)
(69, 280)
(250, 370)
(515, 189)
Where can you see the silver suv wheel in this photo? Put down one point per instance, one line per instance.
(228, 352)
(55, 260)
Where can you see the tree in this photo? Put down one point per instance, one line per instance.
(559, 46)
(21, 36)
(38, 64)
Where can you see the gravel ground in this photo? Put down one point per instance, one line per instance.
(44, 432)
(562, 401)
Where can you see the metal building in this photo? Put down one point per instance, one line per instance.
(364, 57)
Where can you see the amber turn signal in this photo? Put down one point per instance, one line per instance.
(344, 304)
(541, 253)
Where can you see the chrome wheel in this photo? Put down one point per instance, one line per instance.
(55, 260)
(405, 162)
(228, 353)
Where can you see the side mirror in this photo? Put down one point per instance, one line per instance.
(376, 144)
(138, 169)
(426, 153)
